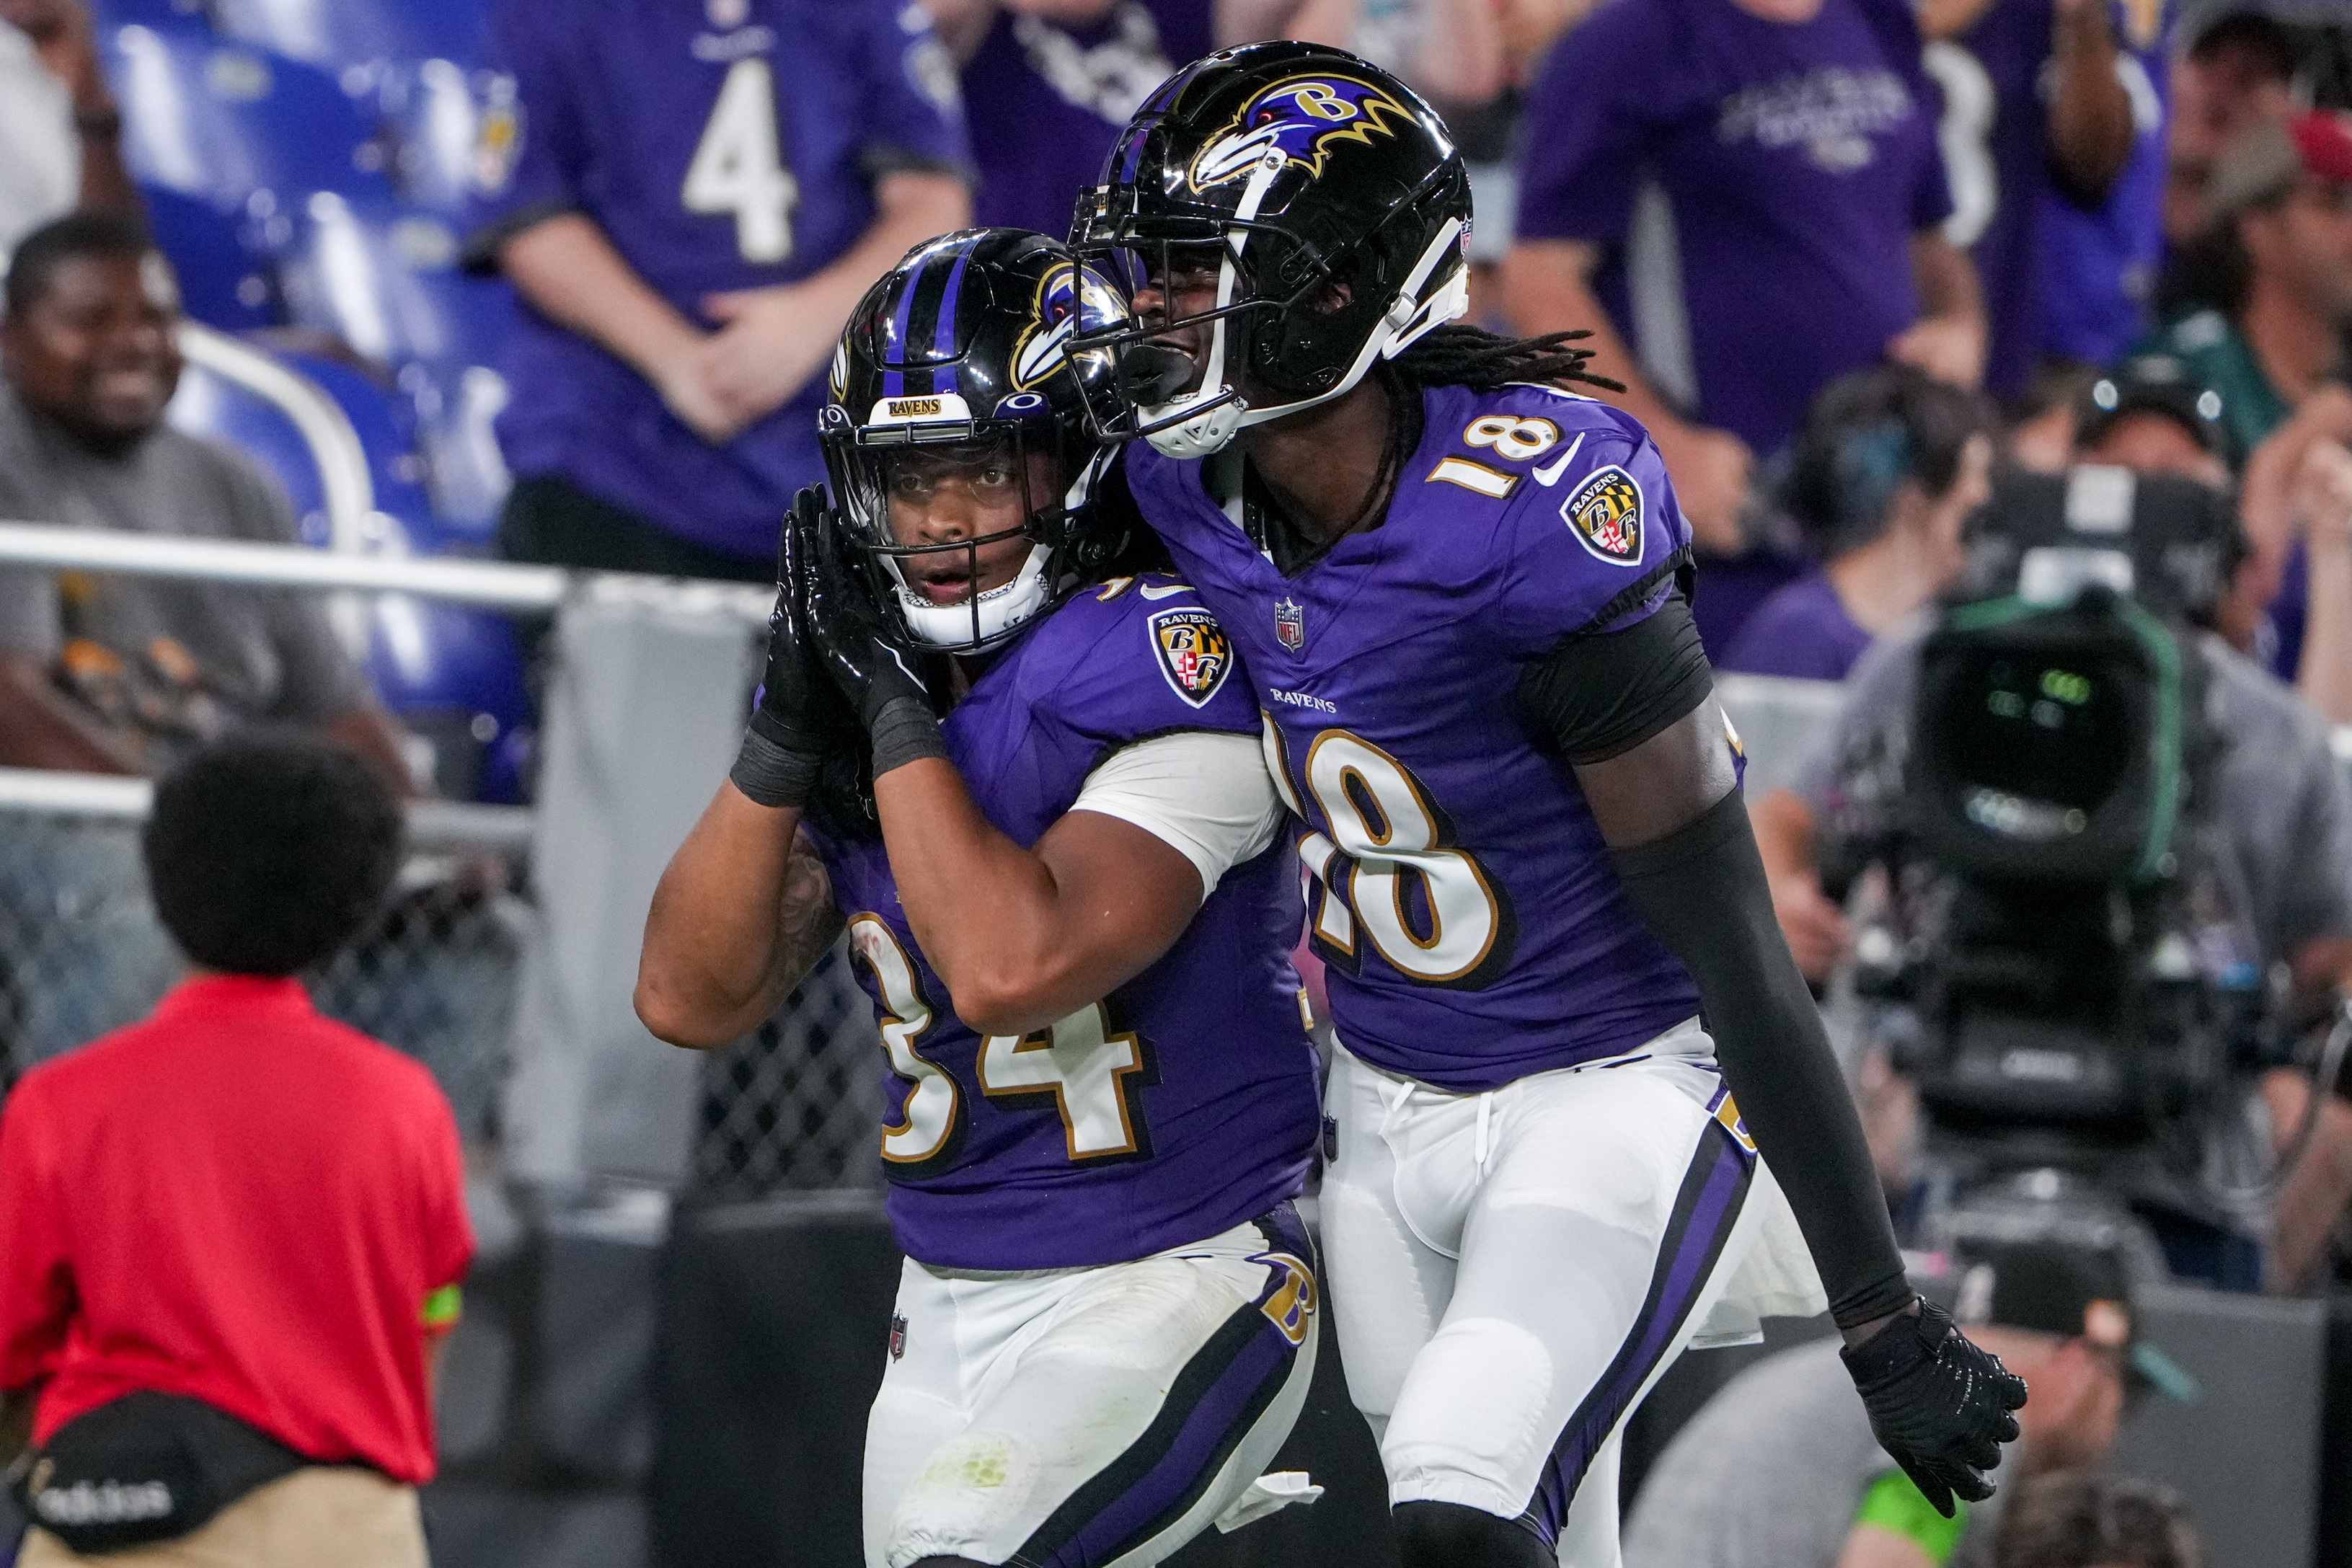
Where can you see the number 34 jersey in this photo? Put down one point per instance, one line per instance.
(1178, 1106)
(1474, 926)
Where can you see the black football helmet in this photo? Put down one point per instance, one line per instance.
(1302, 170)
(966, 342)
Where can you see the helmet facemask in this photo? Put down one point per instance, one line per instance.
(1018, 485)
(1273, 314)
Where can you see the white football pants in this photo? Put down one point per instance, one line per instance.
(1512, 1270)
(1100, 1416)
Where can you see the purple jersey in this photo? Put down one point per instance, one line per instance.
(1792, 162)
(1802, 632)
(2098, 268)
(1181, 1104)
(1995, 133)
(733, 145)
(1472, 923)
(1047, 98)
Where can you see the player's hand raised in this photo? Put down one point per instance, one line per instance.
(800, 718)
(872, 667)
(1939, 1406)
(798, 703)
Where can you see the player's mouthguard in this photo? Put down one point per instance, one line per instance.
(1150, 374)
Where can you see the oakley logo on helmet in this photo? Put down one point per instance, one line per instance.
(1301, 120)
(1605, 511)
(1193, 652)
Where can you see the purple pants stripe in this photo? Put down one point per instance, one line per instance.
(1714, 1187)
(1211, 1406)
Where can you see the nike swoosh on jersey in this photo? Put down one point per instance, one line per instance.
(1150, 593)
(1549, 475)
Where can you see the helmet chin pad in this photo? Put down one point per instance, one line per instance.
(998, 610)
(1202, 436)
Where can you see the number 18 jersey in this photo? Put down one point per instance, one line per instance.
(1473, 924)
(1178, 1106)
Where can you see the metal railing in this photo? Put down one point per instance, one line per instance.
(493, 585)
(82, 951)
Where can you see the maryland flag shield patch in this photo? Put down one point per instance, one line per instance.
(1194, 653)
(1605, 511)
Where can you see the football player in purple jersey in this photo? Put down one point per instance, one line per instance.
(1023, 770)
(1460, 590)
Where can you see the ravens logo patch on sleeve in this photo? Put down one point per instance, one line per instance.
(1194, 652)
(1605, 511)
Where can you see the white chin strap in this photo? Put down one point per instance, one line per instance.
(999, 608)
(1408, 318)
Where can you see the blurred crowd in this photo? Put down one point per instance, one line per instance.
(1860, 265)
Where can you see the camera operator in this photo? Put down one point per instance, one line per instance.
(2267, 881)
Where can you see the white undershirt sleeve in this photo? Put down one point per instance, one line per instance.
(1205, 795)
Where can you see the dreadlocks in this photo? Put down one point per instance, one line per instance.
(1459, 356)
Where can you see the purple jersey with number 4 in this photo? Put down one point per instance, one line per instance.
(1181, 1104)
(1473, 925)
(726, 145)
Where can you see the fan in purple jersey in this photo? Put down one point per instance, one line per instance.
(1459, 588)
(1752, 189)
(1020, 768)
(1048, 84)
(2098, 266)
(690, 197)
(2034, 106)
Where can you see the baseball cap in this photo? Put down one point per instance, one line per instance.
(2152, 383)
(2269, 156)
(2068, 1288)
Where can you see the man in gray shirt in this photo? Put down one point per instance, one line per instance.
(1779, 1469)
(125, 674)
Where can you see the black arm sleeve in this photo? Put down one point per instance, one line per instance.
(1702, 890)
(1598, 695)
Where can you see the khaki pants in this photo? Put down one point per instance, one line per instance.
(322, 1514)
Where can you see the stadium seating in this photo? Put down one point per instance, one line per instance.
(306, 164)
(227, 277)
(385, 278)
(341, 33)
(243, 128)
(342, 447)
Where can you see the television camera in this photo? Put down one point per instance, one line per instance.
(2047, 935)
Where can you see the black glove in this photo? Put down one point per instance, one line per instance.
(800, 718)
(870, 664)
(1939, 1406)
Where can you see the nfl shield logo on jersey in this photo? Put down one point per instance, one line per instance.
(1605, 511)
(898, 1335)
(1193, 652)
(1289, 624)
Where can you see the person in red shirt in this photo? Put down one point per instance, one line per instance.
(231, 1236)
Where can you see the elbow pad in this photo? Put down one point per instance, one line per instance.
(1703, 892)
